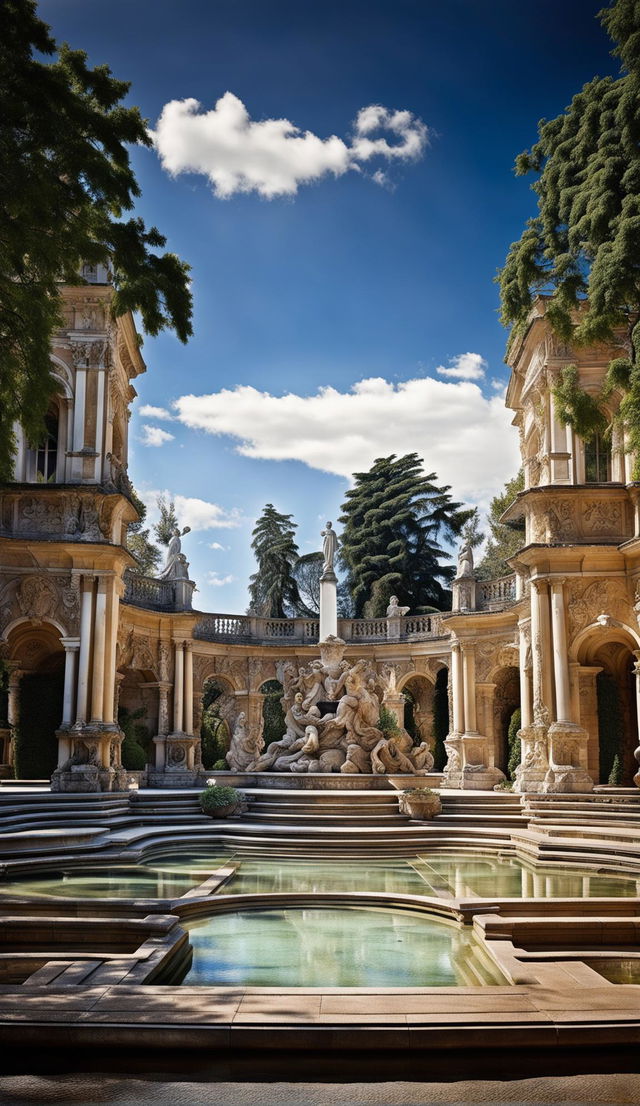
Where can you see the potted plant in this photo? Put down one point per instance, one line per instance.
(221, 802)
(419, 802)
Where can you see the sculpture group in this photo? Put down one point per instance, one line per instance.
(332, 713)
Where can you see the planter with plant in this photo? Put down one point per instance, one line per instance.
(420, 803)
(222, 802)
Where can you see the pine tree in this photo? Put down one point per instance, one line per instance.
(506, 538)
(393, 520)
(168, 521)
(65, 183)
(583, 248)
(273, 590)
(139, 543)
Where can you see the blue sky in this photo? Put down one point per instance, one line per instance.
(323, 313)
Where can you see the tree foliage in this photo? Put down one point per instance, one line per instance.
(168, 521)
(273, 589)
(65, 185)
(147, 555)
(307, 572)
(505, 538)
(583, 247)
(393, 521)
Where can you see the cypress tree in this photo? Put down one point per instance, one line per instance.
(393, 520)
(505, 538)
(273, 590)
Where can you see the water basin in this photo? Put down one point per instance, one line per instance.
(341, 947)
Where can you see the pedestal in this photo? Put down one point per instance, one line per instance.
(328, 605)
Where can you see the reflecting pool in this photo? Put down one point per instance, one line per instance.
(156, 880)
(345, 947)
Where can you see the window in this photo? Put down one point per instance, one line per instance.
(597, 461)
(47, 450)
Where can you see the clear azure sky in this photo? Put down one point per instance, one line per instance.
(332, 276)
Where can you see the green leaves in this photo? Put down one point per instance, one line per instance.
(273, 589)
(66, 181)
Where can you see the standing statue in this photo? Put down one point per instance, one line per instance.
(394, 610)
(176, 563)
(329, 546)
(465, 561)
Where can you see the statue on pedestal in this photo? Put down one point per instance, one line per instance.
(329, 547)
(176, 565)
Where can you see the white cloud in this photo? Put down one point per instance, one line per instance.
(273, 157)
(464, 436)
(154, 435)
(466, 366)
(219, 581)
(150, 412)
(193, 512)
(216, 545)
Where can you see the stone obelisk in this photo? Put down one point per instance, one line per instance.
(328, 586)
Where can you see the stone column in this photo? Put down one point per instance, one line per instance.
(86, 611)
(163, 708)
(13, 707)
(99, 639)
(188, 688)
(78, 409)
(541, 648)
(469, 682)
(526, 713)
(71, 646)
(178, 688)
(457, 689)
(328, 604)
(109, 700)
(636, 752)
(560, 659)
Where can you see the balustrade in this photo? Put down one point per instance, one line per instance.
(493, 594)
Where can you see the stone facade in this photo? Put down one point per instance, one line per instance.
(538, 639)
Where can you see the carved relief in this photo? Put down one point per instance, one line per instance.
(71, 517)
(235, 668)
(588, 600)
(602, 517)
(37, 597)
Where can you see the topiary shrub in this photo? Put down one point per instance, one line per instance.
(387, 722)
(220, 802)
(220, 766)
(133, 752)
(615, 775)
(272, 712)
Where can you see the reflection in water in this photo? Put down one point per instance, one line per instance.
(439, 875)
(346, 947)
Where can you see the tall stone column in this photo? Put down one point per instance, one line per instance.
(188, 688)
(71, 646)
(99, 640)
(86, 613)
(469, 682)
(452, 776)
(13, 708)
(109, 698)
(478, 771)
(636, 752)
(457, 689)
(178, 687)
(526, 713)
(568, 742)
(328, 605)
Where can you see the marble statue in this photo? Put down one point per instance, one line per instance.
(394, 610)
(244, 746)
(329, 547)
(176, 567)
(465, 561)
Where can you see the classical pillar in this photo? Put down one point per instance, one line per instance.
(560, 659)
(469, 682)
(178, 687)
(86, 610)
(78, 409)
(457, 689)
(328, 604)
(99, 639)
(163, 709)
(71, 646)
(109, 707)
(540, 648)
(188, 688)
(526, 714)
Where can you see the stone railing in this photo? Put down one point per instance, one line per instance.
(306, 631)
(493, 595)
(157, 595)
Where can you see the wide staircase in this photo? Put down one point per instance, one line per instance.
(598, 827)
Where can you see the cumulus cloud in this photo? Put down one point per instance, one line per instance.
(150, 412)
(216, 545)
(219, 581)
(155, 436)
(462, 435)
(273, 157)
(193, 512)
(466, 366)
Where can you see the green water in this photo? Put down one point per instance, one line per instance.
(617, 970)
(444, 875)
(346, 947)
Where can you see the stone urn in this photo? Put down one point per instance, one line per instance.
(420, 803)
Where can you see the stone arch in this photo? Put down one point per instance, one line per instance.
(35, 656)
(418, 689)
(218, 712)
(605, 653)
(506, 699)
(137, 691)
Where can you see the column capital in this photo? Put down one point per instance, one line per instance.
(188, 646)
(540, 585)
(70, 644)
(557, 583)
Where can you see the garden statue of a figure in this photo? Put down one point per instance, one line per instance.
(176, 559)
(329, 546)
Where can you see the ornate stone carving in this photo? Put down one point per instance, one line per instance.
(602, 517)
(587, 600)
(234, 668)
(37, 597)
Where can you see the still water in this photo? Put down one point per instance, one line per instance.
(344, 947)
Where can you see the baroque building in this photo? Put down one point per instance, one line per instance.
(81, 634)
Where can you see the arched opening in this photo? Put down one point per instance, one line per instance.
(608, 706)
(137, 716)
(218, 707)
(506, 701)
(36, 653)
(274, 725)
(426, 713)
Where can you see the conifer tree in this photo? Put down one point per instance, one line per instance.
(147, 555)
(583, 247)
(65, 183)
(393, 521)
(273, 590)
(168, 521)
(505, 538)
